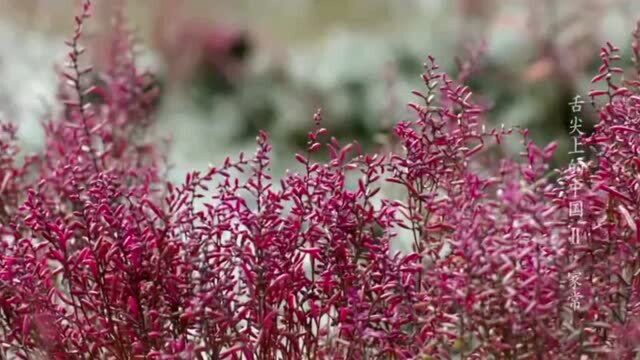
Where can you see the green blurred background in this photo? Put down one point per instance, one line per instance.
(229, 68)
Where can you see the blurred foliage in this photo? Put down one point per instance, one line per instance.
(229, 68)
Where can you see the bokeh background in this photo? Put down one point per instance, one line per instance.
(228, 68)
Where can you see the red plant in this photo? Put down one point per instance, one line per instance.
(101, 259)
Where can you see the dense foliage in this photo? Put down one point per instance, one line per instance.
(101, 258)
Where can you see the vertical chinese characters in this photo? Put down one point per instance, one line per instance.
(576, 208)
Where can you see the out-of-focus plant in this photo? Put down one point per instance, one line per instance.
(102, 258)
(212, 57)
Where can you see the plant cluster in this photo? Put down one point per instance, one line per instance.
(101, 258)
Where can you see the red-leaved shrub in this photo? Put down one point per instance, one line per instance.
(101, 258)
